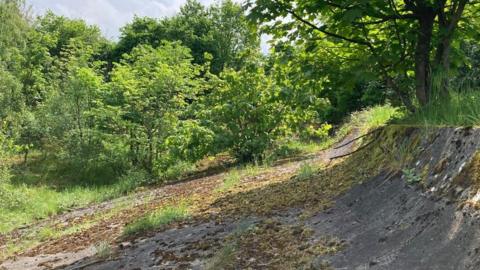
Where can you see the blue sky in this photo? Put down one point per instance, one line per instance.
(111, 15)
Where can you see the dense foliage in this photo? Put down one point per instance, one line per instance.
(175, 90)
(409, 43)
(169, 93)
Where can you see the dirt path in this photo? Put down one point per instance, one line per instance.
(104, 222)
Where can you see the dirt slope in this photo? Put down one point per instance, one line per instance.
(79, 247)
(406, 201)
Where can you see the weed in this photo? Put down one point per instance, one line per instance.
(399, 156)
(103, 250)
(177, 171)
(223, 259)
(458, 108)
(230, 181)
(46, 233)
(305, 172)
(411, 176)
(374, 117)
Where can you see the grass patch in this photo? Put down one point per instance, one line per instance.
(223, 259)
(457, 109)
(306, 171)
(53, 231)
(374, 117)
(364, 121)
(157, 219)
(42, 202)
(230, 181)
(23, 203)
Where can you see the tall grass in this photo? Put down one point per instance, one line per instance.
(458, 108)
(363, 120)
(231, 180)
(22, 204)
(374, 117)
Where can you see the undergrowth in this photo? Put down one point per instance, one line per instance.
(455, 109)
(35, 192)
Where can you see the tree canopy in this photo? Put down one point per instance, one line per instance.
(404, 40)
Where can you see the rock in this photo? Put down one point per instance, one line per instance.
(125, 245)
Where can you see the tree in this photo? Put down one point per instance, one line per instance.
(399, 36)
(61, 32)
(231, 35)
(244, 112)
(321, 84)
(151, 86)
(221, 31)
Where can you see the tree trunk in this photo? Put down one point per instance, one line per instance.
(404, 98)
(447, 28)
(422, 57)
(442, 65)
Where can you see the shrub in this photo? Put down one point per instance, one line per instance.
(130, 181)
(103, 250)
(244, 112)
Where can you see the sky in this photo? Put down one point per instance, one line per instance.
(111, 15)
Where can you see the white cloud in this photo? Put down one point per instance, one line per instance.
(111, 15)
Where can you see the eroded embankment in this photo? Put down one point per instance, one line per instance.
(406, 199)
(420, 213)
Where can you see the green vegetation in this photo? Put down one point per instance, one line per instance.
(375, 117)
(157, 219)
(22, 204)
(306, 171)
(230, 181)
(411, 176)
(458, 109)
(103, 250)
(223, 259)
(84, 119)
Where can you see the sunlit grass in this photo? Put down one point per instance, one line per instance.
(374, 117)
(39, 202)
(306, 171)
(230, 180)
(157, 219)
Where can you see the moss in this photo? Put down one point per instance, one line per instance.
(274, 244)
(474, 170)
(470, 176)
(395, 148)
(425, 172)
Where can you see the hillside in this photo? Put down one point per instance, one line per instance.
(415, 209)
(239, 134)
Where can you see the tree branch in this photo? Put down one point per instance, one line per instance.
(322, 30)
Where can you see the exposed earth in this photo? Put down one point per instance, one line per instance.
(405, 199)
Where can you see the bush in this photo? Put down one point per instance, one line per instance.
(319, 134)
(244, 113)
